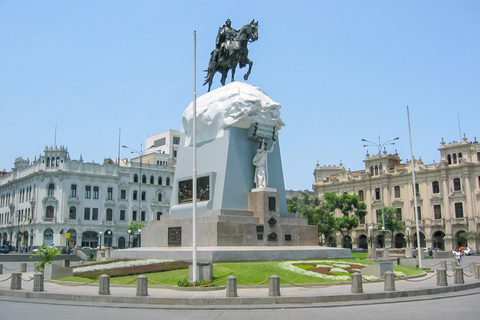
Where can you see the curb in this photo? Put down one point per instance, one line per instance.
(271, 302)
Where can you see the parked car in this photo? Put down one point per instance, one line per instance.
(4, 249)
(468, 251)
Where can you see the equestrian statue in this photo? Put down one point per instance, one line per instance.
(230, 50)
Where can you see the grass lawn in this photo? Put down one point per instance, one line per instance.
(245, 272)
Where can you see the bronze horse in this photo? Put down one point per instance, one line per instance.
(234, 52)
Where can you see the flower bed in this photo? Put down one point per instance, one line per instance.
(332, 270)
(129, 267)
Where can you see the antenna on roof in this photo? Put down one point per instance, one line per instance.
(55, 137)
(459, 129)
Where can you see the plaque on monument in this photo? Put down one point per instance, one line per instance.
(263, 130)
(175, 236)
(185, 187)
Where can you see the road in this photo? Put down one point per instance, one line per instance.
(460, 305)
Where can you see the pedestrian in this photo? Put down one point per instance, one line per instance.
(457, 254)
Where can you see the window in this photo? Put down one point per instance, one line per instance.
(457, 185)
(437, 211)
(361, 196)
(397, 191)
(168, 181)
(379, 215)
(417, 190)
(160, 142)
(144, 179)
(361, 220)
(176, 140)
(135, 178)
(109, 193)
(419, 213)
(152, 180)
(160, 181)
(73, 190)
(458, 210)
(143, 216)
(454, 158)
(435, 187)
(143, 195)
(134, 215)
(109, 216)
(159, 215)
(86, 214)
(73, 213)
(51, 189)
(96, 192)
(399, 213)
(88, 191)
(478, 156)
(123, 194)
(376, 170)
(135, 194)
(50, 212)
(159, 197)
(95, 214)
(377, 194)
(123, 215)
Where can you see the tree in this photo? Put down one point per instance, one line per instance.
(46, 255)
(312, 209)
(347, 204)
(392, 223)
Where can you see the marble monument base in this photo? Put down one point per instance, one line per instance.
(234, 254)
(261, 225)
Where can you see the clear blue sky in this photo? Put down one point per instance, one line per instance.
(342, 70)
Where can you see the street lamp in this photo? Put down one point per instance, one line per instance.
(139, 237)
(129, 242)
(140, 154)
(408, 237)
(109, 244)
(380, 146)
(100, 240)
(371, 236)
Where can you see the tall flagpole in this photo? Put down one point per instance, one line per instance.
(194, 175)
(415, 210)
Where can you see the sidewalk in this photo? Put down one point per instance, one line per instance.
(253, 296)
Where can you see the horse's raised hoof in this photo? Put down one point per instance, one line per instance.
(245, 77)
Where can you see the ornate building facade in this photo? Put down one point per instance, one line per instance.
(54, 199)
(448, 197)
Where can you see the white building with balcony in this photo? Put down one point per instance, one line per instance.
(54, 199)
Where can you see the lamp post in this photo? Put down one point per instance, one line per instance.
(371, 236)
(129, 242)
(380, 146)
(109, 244)
(140, 155)
(408, 237)
(139, 237)
(100, 240)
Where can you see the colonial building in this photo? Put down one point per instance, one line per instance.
(55, 199)
(448, 197)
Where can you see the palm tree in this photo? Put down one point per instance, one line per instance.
(46, 255)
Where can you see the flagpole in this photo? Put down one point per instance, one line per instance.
(415, 210)
(194, 175)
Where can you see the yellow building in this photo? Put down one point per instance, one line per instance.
(448, 197)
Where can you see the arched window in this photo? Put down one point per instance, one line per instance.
(50, 213)
(160, 181)
(168, 181)
(159, 197)
(48, 162)
(454, 158)
(135, 178)
(48, 237)
(57, 161)
(377, 194)
(361, 196)
(73, 213)
(449, 159)
(152, 180)
(144, 179)
(457, 186)
(51, 189)
(397, 191)
(376, 170)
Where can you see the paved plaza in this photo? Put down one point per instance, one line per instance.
(420, 288)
